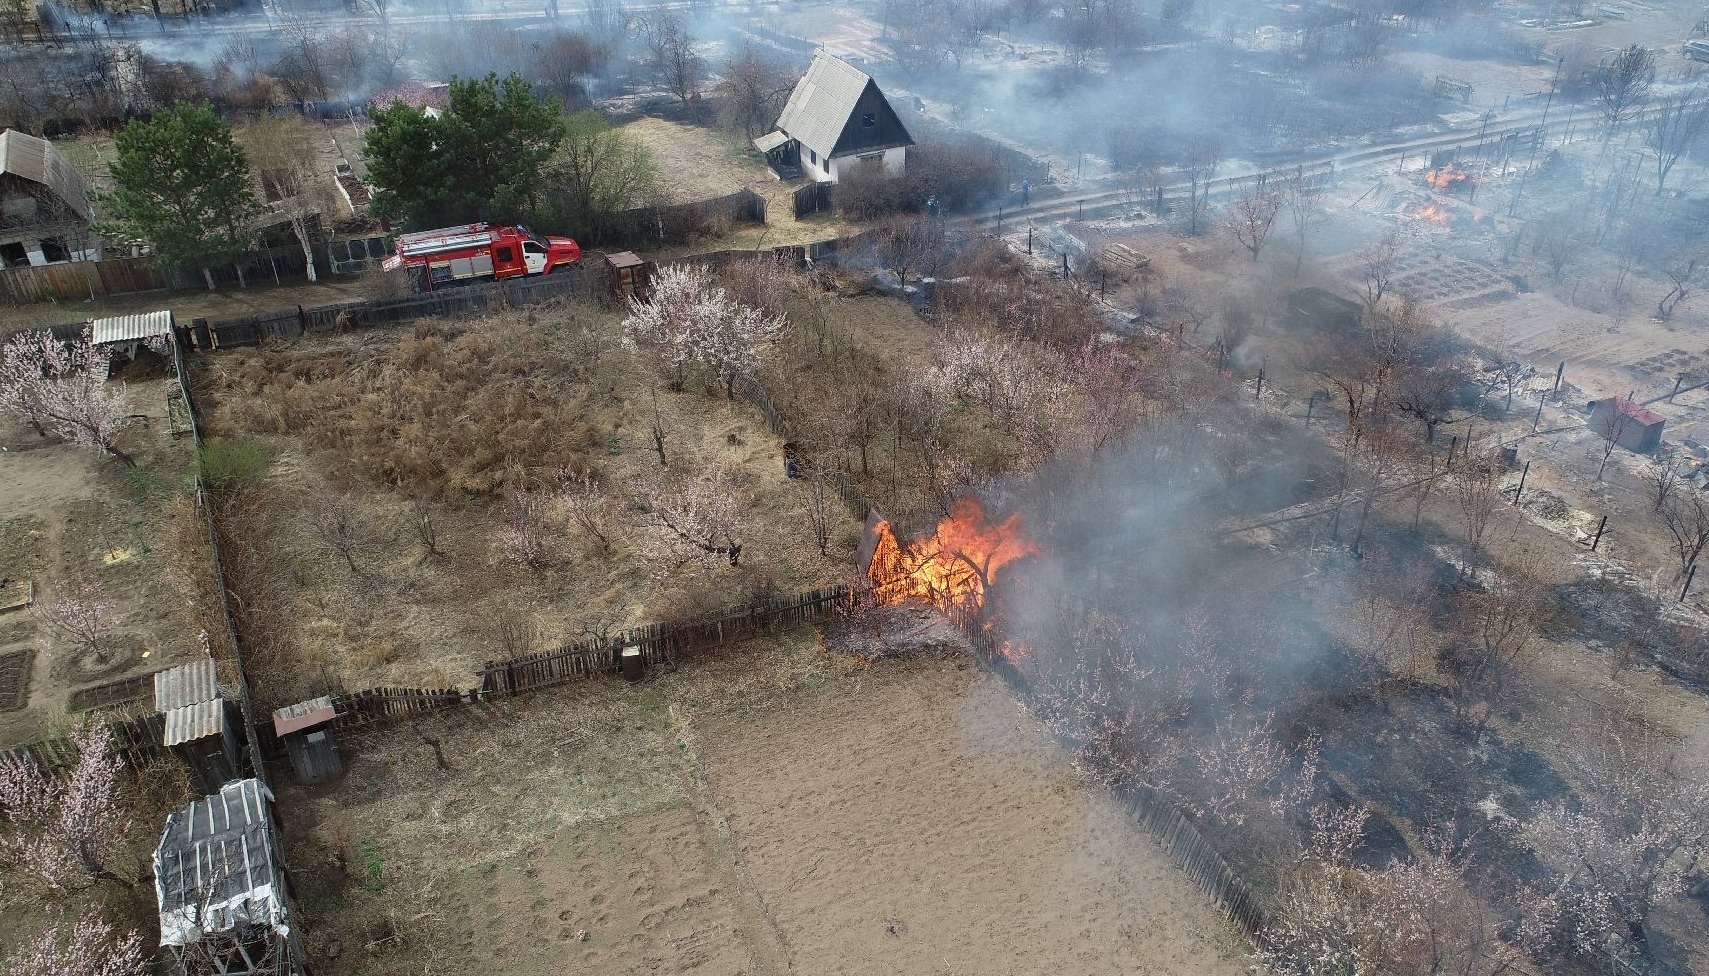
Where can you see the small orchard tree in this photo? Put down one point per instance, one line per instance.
(80, 618)
(523, 532)
(89, 946)
(65, 830)
(696, 516)
(688, 320)
(182, 186)
(61, 389)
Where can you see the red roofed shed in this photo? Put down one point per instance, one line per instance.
(1630, 425)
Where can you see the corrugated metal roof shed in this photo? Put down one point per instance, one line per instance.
(124, 328)
(195, 721)
(185, 684)
(214, 870)
(303, 715)
(30, 158)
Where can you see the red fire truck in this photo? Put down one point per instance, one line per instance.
(474, 252)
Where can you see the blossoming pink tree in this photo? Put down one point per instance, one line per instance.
(89, 947)
(65, 830)
(81, 618)
(689, 320)
(61, 389)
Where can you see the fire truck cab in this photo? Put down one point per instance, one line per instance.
(473, 252)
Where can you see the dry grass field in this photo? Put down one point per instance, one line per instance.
(776, 809)
(697, 163)
(457, 416)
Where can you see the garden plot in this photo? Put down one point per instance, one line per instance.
(777, 809)
(70, 518)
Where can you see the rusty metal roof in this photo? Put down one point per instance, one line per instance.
(123, 328)
(195, 721)
(186, 684)
(30, 158)
(303, 715)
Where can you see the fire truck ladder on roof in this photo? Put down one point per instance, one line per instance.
(435, 241)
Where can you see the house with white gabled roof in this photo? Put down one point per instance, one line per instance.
(836, 121)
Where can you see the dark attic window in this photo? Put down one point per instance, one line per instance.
(869, 121)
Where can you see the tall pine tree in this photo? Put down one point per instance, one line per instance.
(483, 159)
(183, 188)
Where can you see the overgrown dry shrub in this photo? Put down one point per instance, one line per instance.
(1000, 290)
(760, 283)
(449, 408)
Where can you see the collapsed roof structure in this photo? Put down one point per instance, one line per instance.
(225, 904)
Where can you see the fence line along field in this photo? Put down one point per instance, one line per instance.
(773, 809)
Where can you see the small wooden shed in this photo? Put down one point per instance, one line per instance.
(630, 276)
(1630, 425)
(306, 730)
(197, 727)
(225, 900)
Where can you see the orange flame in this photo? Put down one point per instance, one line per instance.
(952, 567)
(1434, 214)
(1447, 178)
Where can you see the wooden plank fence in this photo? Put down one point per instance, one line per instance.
(137, 740)
(290, 323)
(78, 280)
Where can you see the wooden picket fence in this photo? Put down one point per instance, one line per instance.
(138, 740)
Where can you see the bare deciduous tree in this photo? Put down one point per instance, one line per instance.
(343, 528)
(1685, 517)
(1251, 216)
(1622, 85)
(671, 55)
(822, 503)
(1674, 127)
(1681, 272)
(590, 509)
(752, 91)
(1199, 164)
(1376, 265)
(424, 520)
(1303, 198)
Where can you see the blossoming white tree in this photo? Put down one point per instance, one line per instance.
(65, 830)
(61, 389)
(90, 946)
(689, 320)
(697, 517)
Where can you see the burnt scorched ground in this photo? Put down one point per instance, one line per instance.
(1153, 641)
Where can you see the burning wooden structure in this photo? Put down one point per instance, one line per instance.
(952, 568)
(225, 903)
